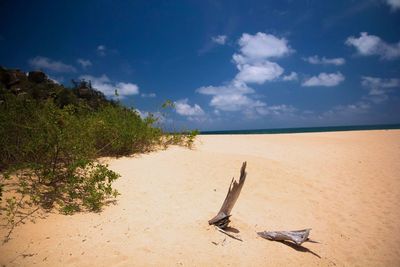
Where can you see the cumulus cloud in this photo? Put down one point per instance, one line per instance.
(394, 4)
(230, 97)
(253, 61)
(220, 39)
(236, 97)
(367, 45)
(108, 88)
(149, 95)
(261, 46)
(50, 65)
(183, 108)
(127, 89)
(325, 61)
(324, 79)
(259, 73)
(290, 77)
(84, 62)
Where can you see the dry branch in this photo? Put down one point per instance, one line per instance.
(228, 234)
(297, 237)
(221, 220)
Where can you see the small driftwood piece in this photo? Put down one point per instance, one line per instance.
(221, 220)
(298, 237)
(228, 234)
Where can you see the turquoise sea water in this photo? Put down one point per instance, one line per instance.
(307, 129)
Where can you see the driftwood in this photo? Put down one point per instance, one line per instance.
(228, 234)
(221, 220)
(297, 237)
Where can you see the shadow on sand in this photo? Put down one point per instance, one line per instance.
(300, 248)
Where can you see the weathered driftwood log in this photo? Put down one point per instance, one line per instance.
(297, 237)
(221, 220)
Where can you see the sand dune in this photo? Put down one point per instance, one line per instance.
(343, 185)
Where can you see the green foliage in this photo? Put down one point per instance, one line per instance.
(58, 148)
(183, 139)
(11, 209)
(120, 131)
(56, 145)
(51, 137)
(168, 104)
(190, 137)
(89, 187)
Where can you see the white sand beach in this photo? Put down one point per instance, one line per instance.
(343, 185)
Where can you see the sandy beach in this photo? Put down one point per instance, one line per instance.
(343, 185)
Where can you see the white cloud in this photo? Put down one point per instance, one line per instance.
(235, 102)
(234, 87)
(127, 89)
(358, 107)
(107, 87)
(50, 65)
(253, 61)
(378, 92)
(183, 108)
(259, 72)
(142, 114)
(394, 4)
(368, 45)
(149, 95)
(101, 50)
(277, 110)
(231, 97)
(237, 97)
(84, 62)
(378, 88)
(157, 115)
(291, 77)
(255, 66)
(220, 39)
(334, 61)
(57, 80)
(324, 79)
(261, 46)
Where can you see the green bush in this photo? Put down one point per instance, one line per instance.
(45, 141)
(120, 131)
(55, 144)
(89, 186)
(51, 138)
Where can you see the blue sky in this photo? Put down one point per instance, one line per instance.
(225, 64)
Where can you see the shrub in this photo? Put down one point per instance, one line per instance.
(89, 185)
(51, 137)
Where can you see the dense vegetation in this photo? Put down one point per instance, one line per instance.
(52, 136)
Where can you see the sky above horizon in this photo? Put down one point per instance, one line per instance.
(225, 64)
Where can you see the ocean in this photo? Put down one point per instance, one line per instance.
(307, 129)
